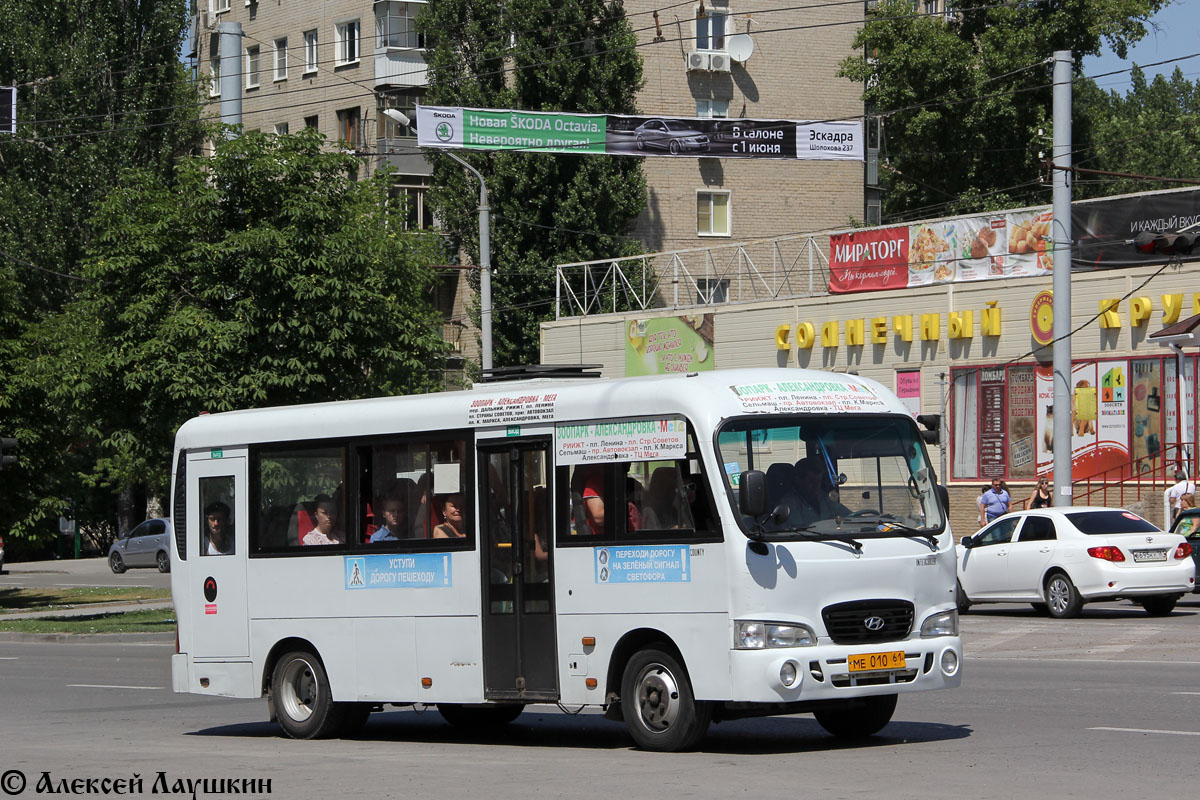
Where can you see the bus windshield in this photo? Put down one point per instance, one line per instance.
(861, 475)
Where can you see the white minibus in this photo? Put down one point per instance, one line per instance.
(673, 549)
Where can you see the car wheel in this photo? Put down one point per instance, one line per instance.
(658, 706)
(302, 698)
(1062, 598)
(641, 143)
(960, 598)
(163, 561)
(479, 716)
(1160, 604)
(858, 719)
(673, 147)
(116, 564)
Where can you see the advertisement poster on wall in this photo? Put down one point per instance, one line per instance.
(1146, 411)
(1022, 426)
(1044, 379)
(669, 344)
(991, 423)
(908, 389)
(1112, 436)
(1083, 431)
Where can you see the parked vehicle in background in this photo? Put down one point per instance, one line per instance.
(1059, 559)
(1187, 525)
(144, 546)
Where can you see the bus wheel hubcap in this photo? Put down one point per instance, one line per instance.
(658, 697)
(299, 691)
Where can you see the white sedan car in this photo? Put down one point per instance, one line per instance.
(1060, 558)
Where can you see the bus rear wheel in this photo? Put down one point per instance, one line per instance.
(302, 698)
(657, 703)
(461, 716)
(858, 719)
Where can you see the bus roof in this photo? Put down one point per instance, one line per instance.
(705, 398)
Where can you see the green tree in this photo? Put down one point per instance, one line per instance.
(963, 99)
(546, 209)
(263, 275)
(99, 89)
(1153, 129)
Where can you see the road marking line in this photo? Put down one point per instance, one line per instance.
(1147, 730)
(1196, 693)
(106, 686)
(9, 658)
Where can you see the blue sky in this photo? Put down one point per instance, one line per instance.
(1178, 34)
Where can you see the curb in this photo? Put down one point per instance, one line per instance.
(94, 638)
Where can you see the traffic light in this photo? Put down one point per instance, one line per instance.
(1149, 243)
(5, 460)
(933, 424)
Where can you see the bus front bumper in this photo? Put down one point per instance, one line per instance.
(836, 672)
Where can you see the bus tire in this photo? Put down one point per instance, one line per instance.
(660, 710)
(858, 719)
(302, 698)
(961, 600)
(477, 717)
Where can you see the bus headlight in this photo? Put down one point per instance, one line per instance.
(943, 623)
(753, 635)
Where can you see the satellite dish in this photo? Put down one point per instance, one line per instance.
(740, 47)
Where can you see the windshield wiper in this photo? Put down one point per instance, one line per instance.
(889, 523)
(808, 532)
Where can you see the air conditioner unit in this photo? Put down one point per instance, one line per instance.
(718, 62)
(698, 62)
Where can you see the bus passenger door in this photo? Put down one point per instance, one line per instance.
(518, 577)
(217, 530)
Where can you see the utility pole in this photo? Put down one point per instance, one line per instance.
(1062, 277)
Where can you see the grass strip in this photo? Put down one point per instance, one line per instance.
(150, 620)
(20, 598)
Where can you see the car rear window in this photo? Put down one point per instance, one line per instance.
(1098, 523)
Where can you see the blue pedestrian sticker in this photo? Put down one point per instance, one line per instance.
(643, 564)
(411, 571)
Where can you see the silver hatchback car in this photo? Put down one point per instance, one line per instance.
(144, 546)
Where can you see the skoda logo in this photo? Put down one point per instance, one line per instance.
(443, 131)
(874, 623)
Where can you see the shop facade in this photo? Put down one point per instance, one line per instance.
(977, 350)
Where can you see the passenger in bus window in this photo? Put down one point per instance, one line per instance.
(218, 529)
(634, 497)
(453, 526)
(422, 526)
(394, 507)
(588, 484)
(326, 523)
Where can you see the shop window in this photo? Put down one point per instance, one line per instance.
(712, 214)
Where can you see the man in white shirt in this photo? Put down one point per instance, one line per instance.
(1184, 486)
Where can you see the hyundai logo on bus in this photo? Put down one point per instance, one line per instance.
(874, 623)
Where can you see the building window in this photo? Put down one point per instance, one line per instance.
(712, 213)
(710, 29)
(347, 131)
(346, 42)
(220, 6)
(310, 122)
(281, 59)
(310, 52)
(401, 101)
(712, 290)
(252, 67)
(214, 65)
(415, 202)
(395, 25)
(712, 109)
(281, 128)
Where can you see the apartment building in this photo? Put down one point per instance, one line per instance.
(336, 64)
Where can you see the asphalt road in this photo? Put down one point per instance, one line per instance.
(78, 572)
(1102, 706)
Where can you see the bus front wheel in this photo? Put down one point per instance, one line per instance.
(858, 719)
(302, 698)
(658, 705)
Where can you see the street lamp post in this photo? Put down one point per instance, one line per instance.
(485, 249)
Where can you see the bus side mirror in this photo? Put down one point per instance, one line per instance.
(752, 493)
